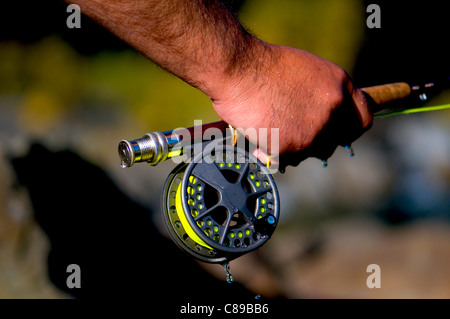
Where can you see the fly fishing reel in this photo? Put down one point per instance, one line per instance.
(221, 205)
(221, 202)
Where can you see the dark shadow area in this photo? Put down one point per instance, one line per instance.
(91, 223)
(411, 45)
(28, 21)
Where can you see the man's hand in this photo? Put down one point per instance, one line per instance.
(311, 100)
(252, 84)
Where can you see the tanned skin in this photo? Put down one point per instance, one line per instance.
(251, 83)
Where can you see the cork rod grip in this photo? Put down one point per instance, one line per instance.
(381, 94)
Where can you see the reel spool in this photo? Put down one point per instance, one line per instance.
(222, 205)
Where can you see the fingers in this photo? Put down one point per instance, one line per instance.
(346, 124)
(362, 106)
(271, 162)
(261, 155)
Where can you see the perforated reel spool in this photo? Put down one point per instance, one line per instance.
(222, 205)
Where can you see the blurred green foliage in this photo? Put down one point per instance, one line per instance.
(51, 79)
(331, 29)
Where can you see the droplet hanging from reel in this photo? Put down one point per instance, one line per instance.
(222, 205)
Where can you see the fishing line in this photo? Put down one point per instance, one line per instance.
(414, 110)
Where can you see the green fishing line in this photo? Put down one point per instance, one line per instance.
(414, 110)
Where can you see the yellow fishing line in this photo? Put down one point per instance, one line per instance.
(187, 227)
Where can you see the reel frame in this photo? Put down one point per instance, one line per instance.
(222, 205)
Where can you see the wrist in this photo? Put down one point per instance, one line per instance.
(231, 78)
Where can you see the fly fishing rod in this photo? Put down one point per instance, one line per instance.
(221, 202)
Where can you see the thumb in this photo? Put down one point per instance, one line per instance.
(271, 162)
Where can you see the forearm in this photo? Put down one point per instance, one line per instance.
(199, 40)
(252, 84)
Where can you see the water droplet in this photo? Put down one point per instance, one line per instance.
(350, 151)
(230, 279)
(324, 163)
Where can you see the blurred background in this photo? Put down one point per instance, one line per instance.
(83, 90)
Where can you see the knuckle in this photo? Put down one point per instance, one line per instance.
(335, 98)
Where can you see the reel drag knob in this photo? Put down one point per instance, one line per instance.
(222, 205)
